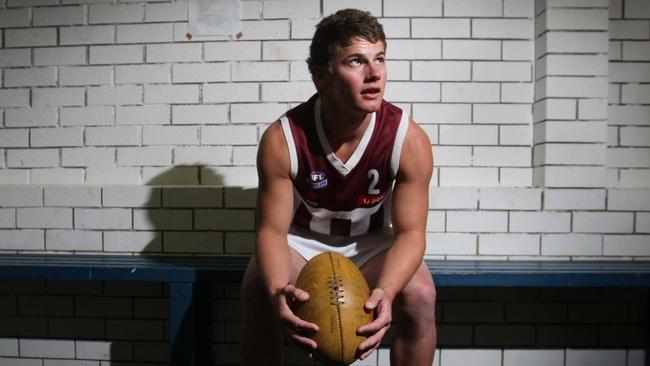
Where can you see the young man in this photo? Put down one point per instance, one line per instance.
(347, 172)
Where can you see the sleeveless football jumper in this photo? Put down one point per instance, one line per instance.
(343, 207)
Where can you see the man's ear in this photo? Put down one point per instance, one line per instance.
(319, 76)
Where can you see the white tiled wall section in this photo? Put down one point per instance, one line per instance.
(629, 59)
(481, 222)
(570, 36)
(117, 134)
(466, 70)
(92, 91)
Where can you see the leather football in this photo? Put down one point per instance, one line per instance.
(337, 291)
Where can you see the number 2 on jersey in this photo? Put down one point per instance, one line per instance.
(373, 174)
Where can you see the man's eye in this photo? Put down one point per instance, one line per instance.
(355, 61)
(380, 60)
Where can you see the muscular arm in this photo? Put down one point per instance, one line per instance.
(409, 214)
(272, 253)
(274, 210)
(410, 207)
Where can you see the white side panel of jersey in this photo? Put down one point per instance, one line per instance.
(288, 136)
(399, 142)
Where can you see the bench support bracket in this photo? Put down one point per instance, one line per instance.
(190, 325)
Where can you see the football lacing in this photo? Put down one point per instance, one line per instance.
(337, 294)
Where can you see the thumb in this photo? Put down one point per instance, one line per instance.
(375, 297)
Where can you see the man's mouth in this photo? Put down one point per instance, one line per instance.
(371, 92)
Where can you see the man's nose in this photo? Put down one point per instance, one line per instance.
(374, 73)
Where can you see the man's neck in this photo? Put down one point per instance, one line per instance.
(343, 126)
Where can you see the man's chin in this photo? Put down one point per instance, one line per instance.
(364, 105)
(370, 106)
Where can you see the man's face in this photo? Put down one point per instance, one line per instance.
(356, 77)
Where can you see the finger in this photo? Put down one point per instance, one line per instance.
(306, 343)
(383, 319)
(296, 325)
(367, 354)
(372, 327)
(367, 346)
(296, 293)
(301, 295)
(368, 349)
(375, 298)
(301, 327)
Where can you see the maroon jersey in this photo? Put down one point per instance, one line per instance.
(343, 198)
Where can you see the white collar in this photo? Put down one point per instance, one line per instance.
(341, 167)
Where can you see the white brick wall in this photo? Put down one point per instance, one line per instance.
(231, 93)
(572, 245)
(535, 155)
(130, 74)
(92, 34)
(15, 57)
(142, 115)
(112, 136)
(629, 33)
(471, 50)
(11, 18)
(540, 222)
(111, 13)
(199, 114)
(206, 155)
(509, 244)
(603, 222)
(46, 348)
(30, 37)
(116, 54)
(477, 221)
(440, 27)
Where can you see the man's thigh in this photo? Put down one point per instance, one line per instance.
(297, 264)
(253, 278)
(372, 269)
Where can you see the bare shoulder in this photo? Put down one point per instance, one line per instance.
(273, 153)
(273, 135)
(417, 156)
(417, 138)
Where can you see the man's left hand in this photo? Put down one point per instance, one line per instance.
(375, 331)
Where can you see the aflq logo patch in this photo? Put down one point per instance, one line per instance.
(317, 179)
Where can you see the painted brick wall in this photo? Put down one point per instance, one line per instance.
(96, 92)
(113, 93)
(120, 135)
(629, 94)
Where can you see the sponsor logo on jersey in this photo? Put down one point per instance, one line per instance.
(317, 179)
(366, 200)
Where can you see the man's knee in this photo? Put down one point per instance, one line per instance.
(418, 300)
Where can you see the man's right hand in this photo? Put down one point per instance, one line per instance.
(298, 330)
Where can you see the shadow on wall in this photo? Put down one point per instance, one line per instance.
(183, 218)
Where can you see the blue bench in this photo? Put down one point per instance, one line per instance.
(189, 279)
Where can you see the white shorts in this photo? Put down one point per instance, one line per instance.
(359, 249)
